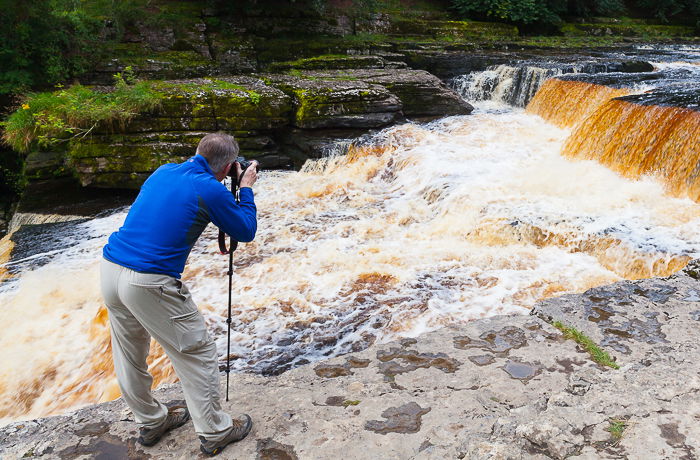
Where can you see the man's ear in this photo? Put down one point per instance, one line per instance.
(221, 175)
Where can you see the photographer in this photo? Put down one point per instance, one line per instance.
(140, 278)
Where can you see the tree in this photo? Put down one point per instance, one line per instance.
(41, 43)
(587, 8)
(514, 11)
(667, 9)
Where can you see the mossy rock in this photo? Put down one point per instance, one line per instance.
(238, 103)
(627, 30)
(332, 61)
(450, 30)
(125, 160)
(148, 123)
(422, 94)
(233, 54)
(338, 103)
(45, 164)
(280, 50)
(210, 104)
(152, 65)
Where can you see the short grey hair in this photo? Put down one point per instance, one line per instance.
(219, 149)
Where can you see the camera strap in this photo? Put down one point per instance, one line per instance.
(222, 235)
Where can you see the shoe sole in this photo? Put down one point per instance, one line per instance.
(218, 450)
(155, 441)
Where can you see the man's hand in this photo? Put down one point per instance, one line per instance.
(250, 176)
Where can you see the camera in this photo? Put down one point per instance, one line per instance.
(244, 165)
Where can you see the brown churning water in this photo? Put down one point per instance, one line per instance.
(631, 139)
(424, 226)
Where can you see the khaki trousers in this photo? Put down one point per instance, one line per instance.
(141, 306)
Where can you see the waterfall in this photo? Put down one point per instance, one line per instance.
(27, 218)
(567, 103)
(632, 131)
(637, 140)
(511, 85)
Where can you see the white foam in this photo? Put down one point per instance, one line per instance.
(443, 227)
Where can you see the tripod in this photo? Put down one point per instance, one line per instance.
(233, 244)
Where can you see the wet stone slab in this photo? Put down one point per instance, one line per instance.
(269, 449)
(627, 318)
(482, 360)
(402, 419)
(337, 370)
(499, 342)
(502, 387)
(400, 361)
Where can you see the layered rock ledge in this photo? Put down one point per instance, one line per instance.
(279, 119)
(501, 387)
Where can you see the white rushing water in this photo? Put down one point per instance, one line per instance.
(502, 86)
(428, 225)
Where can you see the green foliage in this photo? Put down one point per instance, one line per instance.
(12, 181)
(552, 11)
(42, 42)
(597, 354)
(254, 97)
(51, 117)
(514, 11)
(588, 8)
(664, 10)
(617, 428)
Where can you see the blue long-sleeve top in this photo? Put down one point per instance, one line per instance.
(172, 209)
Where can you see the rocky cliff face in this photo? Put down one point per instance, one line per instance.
(503, 387)
(273, 116)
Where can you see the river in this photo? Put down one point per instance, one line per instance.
(417, 227)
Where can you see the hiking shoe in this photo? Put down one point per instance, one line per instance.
(177, 416)
(240, 429)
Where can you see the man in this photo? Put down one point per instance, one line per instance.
(140, 277)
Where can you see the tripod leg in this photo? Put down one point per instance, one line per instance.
(228, 318)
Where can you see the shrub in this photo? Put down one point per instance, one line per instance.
(72, 113)
(666, 9)
(551, 11)
(587, 8)
(514, 11)
(12, 181)
(41, 44)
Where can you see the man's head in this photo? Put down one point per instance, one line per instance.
(220, 150)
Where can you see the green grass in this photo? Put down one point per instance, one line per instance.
(617, 428)
(598, 355)
(72, 113)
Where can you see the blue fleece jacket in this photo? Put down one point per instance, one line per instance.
(174, 206)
